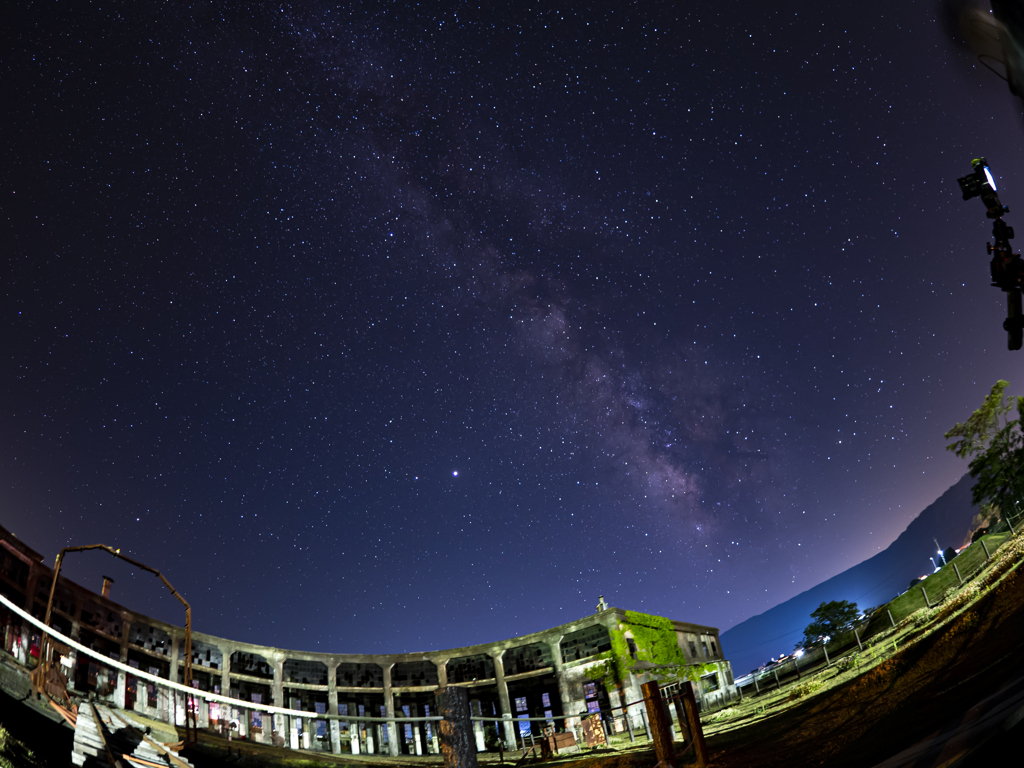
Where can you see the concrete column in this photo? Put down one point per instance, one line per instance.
(175, 651)
(563, 687)
(120, 690)
(278, 681)
(389, 710)
(332, 707)
(478, 727)
(354, 727)
(506, 709)
(225, 669)
(277, 723)
(416, 727)
(30, 587)
(74, 634)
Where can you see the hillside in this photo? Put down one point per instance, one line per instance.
(876, 580)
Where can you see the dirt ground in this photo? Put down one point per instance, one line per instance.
(921, 691)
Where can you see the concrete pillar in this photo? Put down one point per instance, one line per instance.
(309, 726)
(555, 644)
(506, 709)
(225, 669)
(30, 587)
(276, 722)
(74, 634)
(417, 730)
(175, 651)
(478, 727)
(226, 712)
(332, 707)
(120, 690)
(389, 710)
(278, 687)
(353, 728)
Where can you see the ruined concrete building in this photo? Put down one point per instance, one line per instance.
(594, 664)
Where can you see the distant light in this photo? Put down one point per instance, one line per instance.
(455, 473)
(800, 653)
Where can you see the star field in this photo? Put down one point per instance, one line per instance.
(389, 328)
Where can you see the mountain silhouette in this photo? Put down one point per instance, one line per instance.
(873, 582)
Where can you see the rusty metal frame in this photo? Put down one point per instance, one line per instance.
(191, 719)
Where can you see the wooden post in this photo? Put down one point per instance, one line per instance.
(661, 728)
(696, 731)
(776, 673)
(458, 743)
(828, 661)
(856, 634)
(983, 546)
(926, 601)
(961, 578)
(891, 620)
(1012, 532)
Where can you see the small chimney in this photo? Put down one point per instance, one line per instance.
(601, 604)
(107, 581)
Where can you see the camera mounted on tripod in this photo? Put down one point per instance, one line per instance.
(1006, 266)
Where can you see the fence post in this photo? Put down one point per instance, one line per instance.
(661, 729)
(757, 688)
(458, 743)
(856, 634)
(961, 578)
(987, 555)
(1012, 532)
(891, 621)
(696, 731)
(926, 601)
(776, 673)
(828, 661)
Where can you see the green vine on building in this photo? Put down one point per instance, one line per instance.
(656, 644)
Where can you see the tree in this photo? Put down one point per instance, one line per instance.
(829, 619)
(996, 443)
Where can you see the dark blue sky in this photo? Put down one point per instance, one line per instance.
(382, 328)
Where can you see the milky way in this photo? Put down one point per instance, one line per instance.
(386, 330)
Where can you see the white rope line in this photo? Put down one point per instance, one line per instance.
(208, 696)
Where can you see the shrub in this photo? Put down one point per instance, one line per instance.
(848, 662)
(805, 689)
(724, 714)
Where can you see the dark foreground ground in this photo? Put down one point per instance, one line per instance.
(966, 679)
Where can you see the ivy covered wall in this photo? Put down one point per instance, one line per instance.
(656, 644)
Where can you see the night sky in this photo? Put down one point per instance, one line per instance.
(385, 328)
